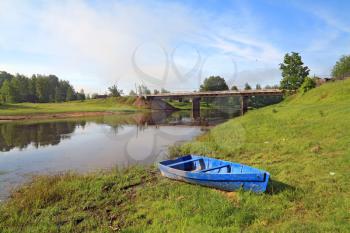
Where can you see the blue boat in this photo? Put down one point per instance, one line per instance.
(215, 173)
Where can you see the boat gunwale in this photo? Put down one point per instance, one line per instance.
(258, 176)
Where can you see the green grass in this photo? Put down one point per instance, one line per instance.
(188, 105)
(304, 142)
(94, 105)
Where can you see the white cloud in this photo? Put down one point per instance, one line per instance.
(77, 40)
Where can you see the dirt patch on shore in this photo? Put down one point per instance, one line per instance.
(53, 116)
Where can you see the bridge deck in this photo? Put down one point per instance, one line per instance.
(217, 93)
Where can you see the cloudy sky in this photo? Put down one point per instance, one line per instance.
(171, 44)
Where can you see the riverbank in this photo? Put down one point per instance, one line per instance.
(303, 142)
(93, 107)
(24, 110)
(42, 116)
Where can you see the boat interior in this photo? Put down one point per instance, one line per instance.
(208, 165)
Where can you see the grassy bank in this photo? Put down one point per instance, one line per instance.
(94, 105)
(304, 142)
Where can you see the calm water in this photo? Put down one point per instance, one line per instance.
(87, 144)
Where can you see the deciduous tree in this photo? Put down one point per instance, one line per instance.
(247, 86)
(114, 91)
(342, 68)
(214, 83)
(293, 71)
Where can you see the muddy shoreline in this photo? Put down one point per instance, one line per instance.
(54, 115)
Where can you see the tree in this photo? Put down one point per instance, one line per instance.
(234, 88)
(42, 89)
(52, 83)
(23, 88)
(16, 90)
(70, 94)
(31, 90)
(293, 71)
(81, 95)
(163, 91)
(114, 91)
(38, 88)
(7, 92)
(342, 68)
(247, 86)
(4, 76)
(258, 87)
(143, 90)
(214, 83)
(155, 91)
(59, 94)
(307, 85)
(132, 93)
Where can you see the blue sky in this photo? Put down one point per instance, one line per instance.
(171, 44)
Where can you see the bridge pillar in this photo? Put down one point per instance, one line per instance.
(196, 105)
(244, 104)
(196, 101)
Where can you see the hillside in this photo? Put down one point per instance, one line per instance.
(304, 142)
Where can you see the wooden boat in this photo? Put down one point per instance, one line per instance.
(215, 173)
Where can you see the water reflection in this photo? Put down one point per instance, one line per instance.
(205, 118)
(40, 134)
(86, 144)
(19, 136)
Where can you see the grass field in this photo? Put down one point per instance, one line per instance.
(94, 105)
(304, 142)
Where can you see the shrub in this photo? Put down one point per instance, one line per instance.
(308, 84)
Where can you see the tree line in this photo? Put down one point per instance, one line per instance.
(36, 89)
(49, 88)
(217, 83)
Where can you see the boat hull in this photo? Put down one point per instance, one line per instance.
(228, 176)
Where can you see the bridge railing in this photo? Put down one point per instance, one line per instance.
(218, 93)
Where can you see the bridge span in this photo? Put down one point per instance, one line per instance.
(196, 96)
(215, 93)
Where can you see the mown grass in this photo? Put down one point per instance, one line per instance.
(94, 105)
(304, 142)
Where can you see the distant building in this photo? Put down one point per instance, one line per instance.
(101, 96)
(319, 81)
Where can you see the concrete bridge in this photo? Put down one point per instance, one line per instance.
(196, 97)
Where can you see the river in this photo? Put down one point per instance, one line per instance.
(87, 144)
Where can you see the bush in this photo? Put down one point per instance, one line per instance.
(308, 84)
